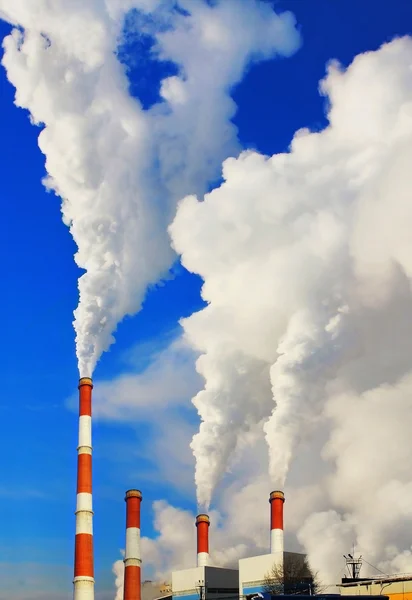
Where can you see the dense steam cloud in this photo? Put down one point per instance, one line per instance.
(306, 258)
(120, 169)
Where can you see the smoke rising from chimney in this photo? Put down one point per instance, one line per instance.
(303, 256)
(120, 169)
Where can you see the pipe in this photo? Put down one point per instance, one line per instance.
(202, 524)
(132, 559)
(83, 553)
(276, 500)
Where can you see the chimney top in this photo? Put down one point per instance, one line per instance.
(277, 495)
(202, 518)
(133, 494)
(85, 381)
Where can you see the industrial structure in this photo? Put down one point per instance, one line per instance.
(202, 526)
(396, 587)
(132, 559)
(204, 582)
(83, 554)
(276, 501)
(255, 571)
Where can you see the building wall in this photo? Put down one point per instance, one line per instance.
(185, 583)
(396, 590)
(253, 571)
(215, 583)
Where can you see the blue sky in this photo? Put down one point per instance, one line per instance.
(38, 363)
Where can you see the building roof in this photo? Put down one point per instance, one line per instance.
(377, 579)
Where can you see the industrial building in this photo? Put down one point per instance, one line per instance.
(205, 582)
(396, 587)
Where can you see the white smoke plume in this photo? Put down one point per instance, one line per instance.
(306, 262)
(118, 570)
(120, 169)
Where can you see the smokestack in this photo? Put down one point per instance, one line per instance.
(276, 500)
(83, 554)
(132, 560)
(202, 524)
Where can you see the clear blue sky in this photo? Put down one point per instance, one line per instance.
(38, 365)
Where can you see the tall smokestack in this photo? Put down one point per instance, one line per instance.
(83, 554)
(132, 560)
(276, 500)
(202, 524)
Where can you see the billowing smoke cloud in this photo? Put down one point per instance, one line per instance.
(306, 261)
(120, 169)
(367, 466)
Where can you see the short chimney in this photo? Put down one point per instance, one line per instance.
(276, 500)
(202, 524)
(132, 558)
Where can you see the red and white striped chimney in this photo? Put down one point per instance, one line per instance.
(276, 500)
(202, 524)
(83, 554)
(132, 559)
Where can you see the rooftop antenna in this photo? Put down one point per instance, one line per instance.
(353, 564)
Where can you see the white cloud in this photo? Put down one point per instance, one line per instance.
(167, 383)
(157, 398)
